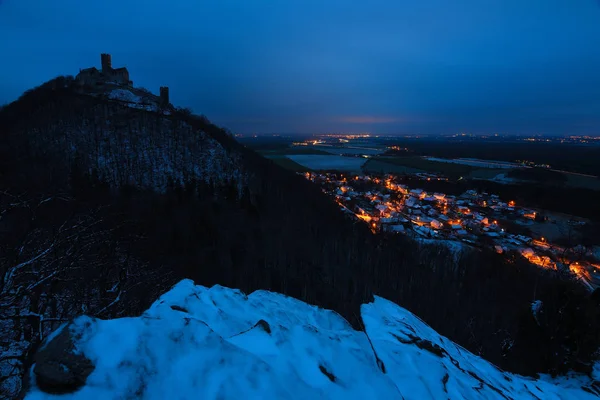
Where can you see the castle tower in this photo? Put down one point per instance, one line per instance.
(164, 95)
(106, 62)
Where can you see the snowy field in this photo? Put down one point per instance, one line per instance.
(476, 163)
(323, 162)
(350, 150)
(502, 178)
(218, 343)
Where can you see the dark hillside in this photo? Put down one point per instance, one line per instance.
(103, 207)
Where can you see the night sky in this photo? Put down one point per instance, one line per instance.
(316, 66)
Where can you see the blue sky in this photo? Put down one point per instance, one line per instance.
(311, 66)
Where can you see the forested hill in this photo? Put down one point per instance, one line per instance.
(120, 144)
(104, 206)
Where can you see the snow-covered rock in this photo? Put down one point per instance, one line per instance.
(124, 95)
(148, 103)
(196, 342)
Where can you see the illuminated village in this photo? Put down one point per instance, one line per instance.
(472, 219)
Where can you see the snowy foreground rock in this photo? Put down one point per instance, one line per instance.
(202, 343)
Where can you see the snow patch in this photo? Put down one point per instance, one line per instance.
(124, 95)
(474, 162)
(332, 162)
(536, 306)
(503, 178)
(134, 101)
(454, 246)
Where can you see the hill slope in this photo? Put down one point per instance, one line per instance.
(118, 143)
(219, 343)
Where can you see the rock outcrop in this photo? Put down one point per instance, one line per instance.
(217, 343)
(59, 366)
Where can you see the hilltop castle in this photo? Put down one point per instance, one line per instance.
(108, 77)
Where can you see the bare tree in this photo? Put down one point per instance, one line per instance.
(50, 273)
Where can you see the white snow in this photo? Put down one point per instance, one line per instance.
(536, 306)
(419, 374)
(504, 179)
(474, 162)
(124, 95)
(134, 101)
(350, 150)
(454, 246)
(199, 343)
(321, 162)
